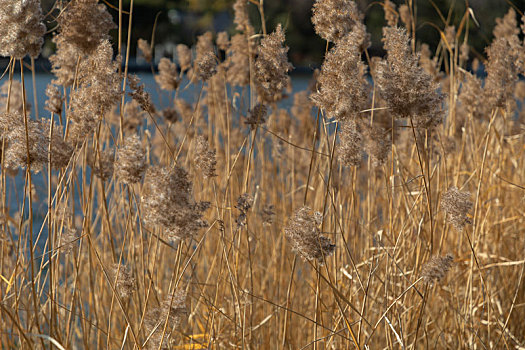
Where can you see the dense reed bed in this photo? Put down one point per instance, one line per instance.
(384, 209)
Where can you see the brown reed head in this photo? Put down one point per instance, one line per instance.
(305, 236)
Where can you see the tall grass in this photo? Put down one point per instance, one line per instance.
(384, 209)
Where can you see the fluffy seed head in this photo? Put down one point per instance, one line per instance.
(171, 310)
(268, 214)
(139, 95)
(102, 164)
(406, 17)
(408, 90)
(256, 116)
(391, 15)
(502, 72)
(238, 61)
(184, 57)
(133, 117)
(145, 49)
(131, 161)
(168, 202)
(54, 99)
(437, 268)
(68, 240)
(170, 114)
(21, 28)
(469, 97)
(168, 76)
(457, 204)
(85, 35)
(17, 155)
(207, 66)
(61, 151)
(351, 149)
(378, 144)
(333, 19)
(244, 203)
(507, 26)
(343, 88)
(272, 66)
(242, 20)
(123, 279)
(223, 41)
(97, 92)
(16, 100)
(306, 238)
(205, 158)
(64, 61)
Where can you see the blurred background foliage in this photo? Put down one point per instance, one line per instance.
(181, 21)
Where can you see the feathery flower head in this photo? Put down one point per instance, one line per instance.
(131, 161)
(171, 310)
(241, 19)
(97, 92)
(351, 149)
(305, 236)
(506, 27)
(408, 90)
(256, 116)
(168, 202)
(503, 66)
(244, 203)
(268, 214)
(16, 99)
(123, 279)
(133, 117)
(17, 155)
(64, 61)
(469, 97)
(21, 28)
(272, 66)
(168, 76)
(170, 114)
(333, 19)
(68, 239)
(406, 17)
(206, 66)
(102, 164)
(238, 61)
(436, 268)
(457, 204)
(145, 50)
(61, 151)
(138, 94)
(343, 88)
(54, 99)
(205, 158)
(86, 35)
(391, 15)
(378, 144)
(223, 41)
(184, 57)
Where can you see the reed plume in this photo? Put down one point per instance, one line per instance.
(333, 19)
(409, 91)
(272, 67)
(21, 28)
(168, 201)
(131, 161)
(168, 76)
(305, 236)
(456, 205)
(436, 268)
